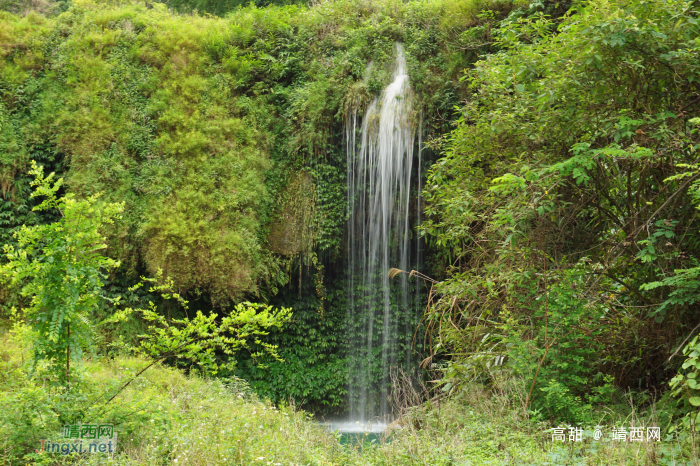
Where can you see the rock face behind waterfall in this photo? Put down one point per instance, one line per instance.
(381, 167)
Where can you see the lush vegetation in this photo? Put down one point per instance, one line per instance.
(221, 138)
(163, 165)
(566, 201)
(168, 418)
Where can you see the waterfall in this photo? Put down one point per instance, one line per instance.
(380, 150)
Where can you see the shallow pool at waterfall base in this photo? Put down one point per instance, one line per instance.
(363, 438)
(355, 433)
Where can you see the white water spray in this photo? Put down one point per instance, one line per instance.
(379, 233)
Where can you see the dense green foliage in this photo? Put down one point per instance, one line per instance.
(313, 369)
(191, 111)
(567, 203)
(223, 139)
(201, 339)
(221, 7)
(561, 216)
(60, 268)
(166, 416)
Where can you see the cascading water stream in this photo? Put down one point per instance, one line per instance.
(380, 168)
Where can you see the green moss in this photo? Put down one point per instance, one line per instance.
(186, 117)
(203, 125)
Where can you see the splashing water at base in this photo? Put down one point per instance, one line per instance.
(356, 427)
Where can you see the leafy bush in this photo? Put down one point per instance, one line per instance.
(60, 268)
(564, 193)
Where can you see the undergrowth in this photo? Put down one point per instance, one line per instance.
(168, 417)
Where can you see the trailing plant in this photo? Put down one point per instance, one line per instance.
(313, 371)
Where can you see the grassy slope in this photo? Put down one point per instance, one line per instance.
(166, 417)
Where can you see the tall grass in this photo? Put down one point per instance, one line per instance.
(166, 417)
